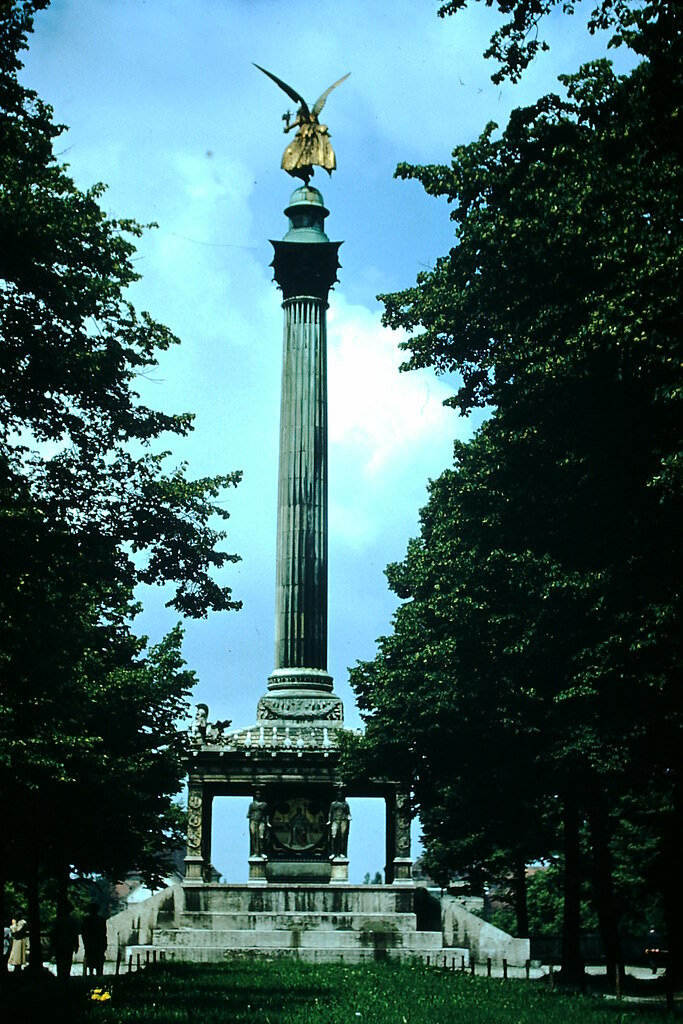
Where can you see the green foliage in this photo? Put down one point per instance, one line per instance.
(519, 40)
(545, 896)
(535, 657)
(72, 348)
(375, 879)
(90, 756)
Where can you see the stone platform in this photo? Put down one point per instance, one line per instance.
(209, 922)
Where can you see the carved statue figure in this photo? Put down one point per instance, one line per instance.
(215, 730)
(298, 830)
(338, 826)
(259, 826)
(311, 145)
(198, 727)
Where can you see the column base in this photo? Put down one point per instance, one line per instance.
(403, 871)
(301, 681)
(194, 869)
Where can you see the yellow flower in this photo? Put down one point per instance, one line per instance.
(100, 995)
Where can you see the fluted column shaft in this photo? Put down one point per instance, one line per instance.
(301, 572)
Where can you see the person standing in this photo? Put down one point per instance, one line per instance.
(65, 940)
(6, 945)
(94, 933)
(19, 949)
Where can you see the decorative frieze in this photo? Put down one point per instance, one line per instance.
(194, 820)
(300, 708)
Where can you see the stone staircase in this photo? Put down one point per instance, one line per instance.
(210, 922)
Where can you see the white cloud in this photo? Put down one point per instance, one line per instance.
(389, 433)
(374, 410)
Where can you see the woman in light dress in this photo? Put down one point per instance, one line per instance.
(19, 949)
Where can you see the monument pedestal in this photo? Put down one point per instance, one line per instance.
(310, 922)
(298, 871)
(194, 869)
(403, 871)
(339, 870)
(258, 870)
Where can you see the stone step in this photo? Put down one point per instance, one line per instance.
(214, 920)
(182, 939)
(450, 958)
(302, 898)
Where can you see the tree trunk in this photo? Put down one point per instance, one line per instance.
(670, 884)
(603, 890)
(521, 905)
(4, 917)
(572, 964)
(35, 947)
(63, 905)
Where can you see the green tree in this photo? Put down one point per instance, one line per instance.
(516, 43)
(89, 510)
(549, 616)
(468, 678)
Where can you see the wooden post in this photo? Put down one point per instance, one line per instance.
(527, 968)
(138, 961)
(471, 965)
(488, 966)
(130, 963)
(462, 962)
(505, 969)
(118, 961)
(669, 984)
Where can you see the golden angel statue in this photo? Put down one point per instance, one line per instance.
(311, 145)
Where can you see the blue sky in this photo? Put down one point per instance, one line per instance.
(164, 105)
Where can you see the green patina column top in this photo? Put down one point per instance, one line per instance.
(306, 212)
(305, 261)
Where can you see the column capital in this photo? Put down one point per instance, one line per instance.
(302, 268)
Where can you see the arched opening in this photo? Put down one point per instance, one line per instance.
(230, 838)
(367, 847)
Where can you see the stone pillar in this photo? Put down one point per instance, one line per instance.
(207, 827)
(399, 868)
(194, 859)
(305, 266)
(390, 837)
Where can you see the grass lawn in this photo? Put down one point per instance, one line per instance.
(291, 992)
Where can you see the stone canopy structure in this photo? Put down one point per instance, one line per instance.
(287, 761)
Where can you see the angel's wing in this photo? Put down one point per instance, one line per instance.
(320, 102)
(292, 93)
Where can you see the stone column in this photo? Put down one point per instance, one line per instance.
(389, 837)
(305, 266)
(301, 575)
(207, 828)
